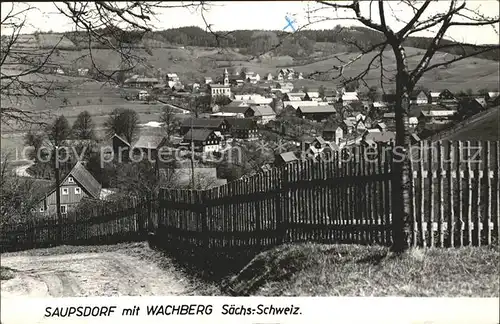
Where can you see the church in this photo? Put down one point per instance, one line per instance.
(221, 89)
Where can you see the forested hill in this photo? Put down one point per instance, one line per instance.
(255, 42)
(252, 42)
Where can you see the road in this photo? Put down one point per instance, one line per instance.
(88, 274)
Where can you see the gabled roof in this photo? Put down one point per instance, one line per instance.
(199, 134)
(350, 96)
(264, 110)
(288, 157)
(241, 123)
(85, 179)
(300, 103)
(209, 123)
(149, 142)
(380, 136)
(439, 113)
(313, 94)
(414, 94)
(317, 109)
(493, 94)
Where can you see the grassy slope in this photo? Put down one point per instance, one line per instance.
(485, 128)
(353, 270)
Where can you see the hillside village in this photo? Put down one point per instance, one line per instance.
(241, 108)
(142, 158)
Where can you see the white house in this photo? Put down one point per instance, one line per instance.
(172, 79)
(143, 95)
(269, 77)
(348, 97)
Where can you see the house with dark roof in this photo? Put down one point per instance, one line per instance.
(121, 148)
(471, 106)
(215, 124)
(204, 140)
(77, 185)
(243, 128)
(317, 113)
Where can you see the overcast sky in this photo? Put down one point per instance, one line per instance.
(271, 16)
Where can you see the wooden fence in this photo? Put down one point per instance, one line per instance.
(344, 198)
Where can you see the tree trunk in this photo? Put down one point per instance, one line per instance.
(401, 181)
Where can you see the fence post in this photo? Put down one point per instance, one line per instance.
(280, 196)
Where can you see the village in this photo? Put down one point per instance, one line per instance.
(280, 123)
(187, 149)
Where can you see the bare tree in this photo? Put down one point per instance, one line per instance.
(169, 120)
(104, 24)
(17, 199)
(123, 122)
(424, 18)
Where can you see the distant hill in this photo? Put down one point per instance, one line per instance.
(253, 42)
(193, 53)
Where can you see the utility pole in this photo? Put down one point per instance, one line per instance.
(58, 194)
(192, 153)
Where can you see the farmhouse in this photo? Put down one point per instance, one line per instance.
(294, 96)
(149, 146)
(419, 97)
(77, 185)
(331, 133)
(171, 79)
(253, 99)
(317, 113)
(297, 104)
(215, 124)
(121, 147)
(348, 97)
(222, 114)
(204, 140)
(471, 106)
(285, 74)
(137, 81)
(437, 116)
(243, 128)
(263, 114)
(490, 96)
(285, 158)
(379, 137)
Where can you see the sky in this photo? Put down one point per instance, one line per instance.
(270, 15)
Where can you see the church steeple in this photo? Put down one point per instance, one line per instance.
(226, 78)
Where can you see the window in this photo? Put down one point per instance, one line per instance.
(71, 180)
(78, 191)
(65, 191)
(64, 209)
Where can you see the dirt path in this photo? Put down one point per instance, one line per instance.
(88, 274)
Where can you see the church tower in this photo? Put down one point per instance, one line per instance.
(226, 78)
